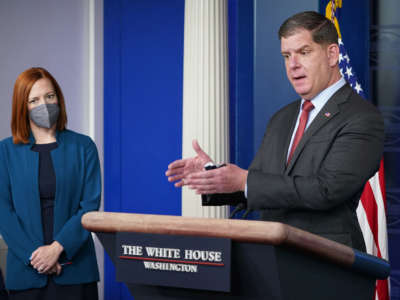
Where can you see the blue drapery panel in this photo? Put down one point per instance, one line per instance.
(143, 75)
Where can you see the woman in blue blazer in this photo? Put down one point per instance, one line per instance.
(49, 177)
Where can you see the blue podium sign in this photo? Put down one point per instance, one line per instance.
(177, 261)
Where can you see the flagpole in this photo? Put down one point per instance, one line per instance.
(333, 7)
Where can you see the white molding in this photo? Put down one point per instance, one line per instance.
(91, 68)
(94, 113)
(205, 91)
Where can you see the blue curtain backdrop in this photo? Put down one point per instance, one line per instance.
(143, 73)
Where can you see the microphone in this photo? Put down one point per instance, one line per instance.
(238, 208)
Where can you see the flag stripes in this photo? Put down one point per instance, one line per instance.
(371, 211)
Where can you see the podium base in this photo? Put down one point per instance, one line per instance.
(267, 272)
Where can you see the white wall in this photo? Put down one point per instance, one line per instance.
(66, 38)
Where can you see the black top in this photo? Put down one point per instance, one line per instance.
(47, 192)
(47, 188)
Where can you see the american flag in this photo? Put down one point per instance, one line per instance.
(371, 211)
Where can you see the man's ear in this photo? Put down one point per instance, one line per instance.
(333, 54)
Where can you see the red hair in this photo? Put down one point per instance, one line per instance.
(20, 126)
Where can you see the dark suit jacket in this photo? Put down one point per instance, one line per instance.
(320, 188)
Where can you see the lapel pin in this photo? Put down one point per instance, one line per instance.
(327, 114)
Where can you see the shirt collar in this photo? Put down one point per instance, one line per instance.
(320, 100)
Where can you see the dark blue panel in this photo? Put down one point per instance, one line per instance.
(272, 89)
(112, 149)
(241, 28)
(143, 79)
(241, 57)
(385, 67)
(232, 46)
(385, 71)
(112, 107)
(151, 104)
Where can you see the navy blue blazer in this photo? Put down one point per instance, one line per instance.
(78, 190)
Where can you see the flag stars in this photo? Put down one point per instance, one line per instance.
(349, 72)
(340, 57)
(358, 88)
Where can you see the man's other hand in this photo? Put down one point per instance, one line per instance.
(180, 169)
(228, 179)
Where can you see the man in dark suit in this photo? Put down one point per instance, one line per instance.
(317, 152)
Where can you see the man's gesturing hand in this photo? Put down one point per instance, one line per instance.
(227, 179)
(181, 168)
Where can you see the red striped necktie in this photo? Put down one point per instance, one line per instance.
(305, 110)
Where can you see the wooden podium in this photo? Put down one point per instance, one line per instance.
(269, 260)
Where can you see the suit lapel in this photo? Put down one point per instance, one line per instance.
(326, 114)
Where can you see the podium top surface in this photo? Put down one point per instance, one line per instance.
(271, 233)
